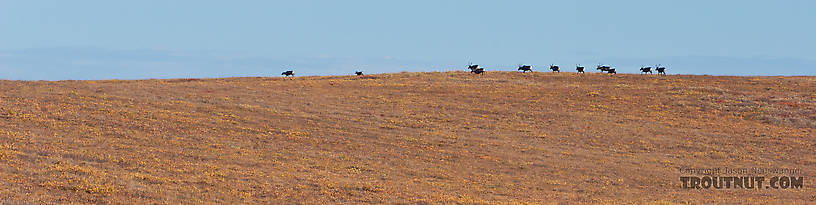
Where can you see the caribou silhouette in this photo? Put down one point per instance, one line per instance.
(644, 70)
(555, 68)
(288, 73)
(603, 68)
(475, 68)
(660, 69)
(579, 68)
(525, 68)
(358, 73)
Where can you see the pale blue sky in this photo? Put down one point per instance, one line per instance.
(97, 39)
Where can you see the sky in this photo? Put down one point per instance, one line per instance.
(99, 39)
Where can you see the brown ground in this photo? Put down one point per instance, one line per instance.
(401, 138)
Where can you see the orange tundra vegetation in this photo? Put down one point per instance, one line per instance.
(449, 137)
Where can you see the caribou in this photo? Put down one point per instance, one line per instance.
(603, 68)
(555, 68)
(611, 71)
(358, 73)
(579, 68)
(475, 68)
(660, 70)
(288, 73)
(644, 70)
(525, 68)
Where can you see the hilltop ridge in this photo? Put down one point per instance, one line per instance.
(426, 137)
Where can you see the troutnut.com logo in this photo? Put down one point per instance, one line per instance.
(741, 178)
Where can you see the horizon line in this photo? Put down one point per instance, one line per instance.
(401, 72)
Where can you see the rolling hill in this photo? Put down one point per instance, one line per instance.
(415, 138)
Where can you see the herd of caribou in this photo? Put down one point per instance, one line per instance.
(661, 70)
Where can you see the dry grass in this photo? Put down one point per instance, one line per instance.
(452, 137)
